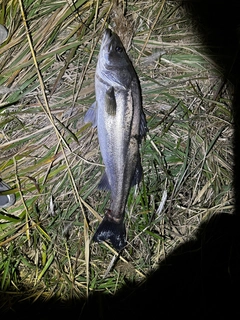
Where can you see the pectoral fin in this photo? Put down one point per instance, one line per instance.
(91, 115)
(110, 102)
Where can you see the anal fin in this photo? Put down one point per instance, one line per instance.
(104, 183)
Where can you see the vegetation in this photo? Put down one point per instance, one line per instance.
(52, 160)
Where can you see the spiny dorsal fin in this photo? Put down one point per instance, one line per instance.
(143, 125)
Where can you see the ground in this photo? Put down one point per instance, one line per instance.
(52, 159)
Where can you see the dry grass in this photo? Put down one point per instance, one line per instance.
(52, 159)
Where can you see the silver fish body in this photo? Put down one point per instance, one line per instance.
(121, 124)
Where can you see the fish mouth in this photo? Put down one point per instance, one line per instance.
(107, 39)
(108, 33)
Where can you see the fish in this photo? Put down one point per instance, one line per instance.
(121, 124)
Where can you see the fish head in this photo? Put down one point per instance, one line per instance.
(113, 59)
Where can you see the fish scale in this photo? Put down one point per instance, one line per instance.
(120, 121)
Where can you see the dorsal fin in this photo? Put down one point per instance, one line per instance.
(143, 125)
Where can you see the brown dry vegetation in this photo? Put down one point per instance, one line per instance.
(52, 160)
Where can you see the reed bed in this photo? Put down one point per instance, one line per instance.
(52, 160)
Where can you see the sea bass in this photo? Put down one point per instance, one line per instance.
(117, 113)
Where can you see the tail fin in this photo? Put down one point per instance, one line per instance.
(110, 230)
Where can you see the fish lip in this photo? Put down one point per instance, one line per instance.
(107, 39)
(108, 32)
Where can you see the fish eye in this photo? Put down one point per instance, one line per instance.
(119, 49)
